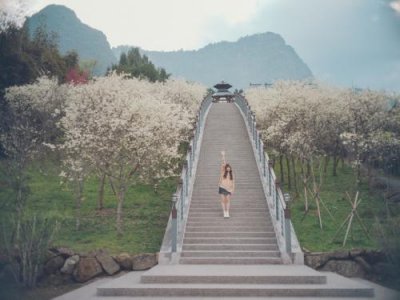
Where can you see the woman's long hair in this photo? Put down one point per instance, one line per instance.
(230, 172)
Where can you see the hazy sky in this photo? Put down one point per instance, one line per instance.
(348, 42)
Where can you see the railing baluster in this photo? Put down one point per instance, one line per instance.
(174, 224)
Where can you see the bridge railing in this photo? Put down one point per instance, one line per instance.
(278, 202)
(173, 238)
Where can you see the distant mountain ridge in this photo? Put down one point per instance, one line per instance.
(90, 43)
(260, 58)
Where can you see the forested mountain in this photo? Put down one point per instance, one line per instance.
(72, 34)
(260, 58)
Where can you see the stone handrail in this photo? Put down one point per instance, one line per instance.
(278, 202)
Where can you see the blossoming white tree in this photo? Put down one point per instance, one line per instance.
(125, 128)
(314, 122)
(34, 110)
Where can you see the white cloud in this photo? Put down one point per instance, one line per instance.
(395, 5)
(159, 24)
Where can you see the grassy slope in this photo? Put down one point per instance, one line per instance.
(145, 214)
(333, 195)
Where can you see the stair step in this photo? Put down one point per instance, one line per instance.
(216, 204)
(224, 290)
(230, 254)
(229, 241)
(230, 247)
(247, 215)
(217, 214)
(229, 234)
(233, 209)
(230, 261)
(223, 222)
(220, 221)
(230, 274)
(208, 228)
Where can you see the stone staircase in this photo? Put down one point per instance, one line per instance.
(235, 257)
(248, 236)
(222, 281)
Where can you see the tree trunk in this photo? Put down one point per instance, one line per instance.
(316, 191)
(121, 198)
(335, 164)
(288, 173)
(326, 163)
(294, 175)
(79, 200)
(304, 179)
(100, 199)
(335, 159)
(281, 168)
(308, 169)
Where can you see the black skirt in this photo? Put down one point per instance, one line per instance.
(223, 191)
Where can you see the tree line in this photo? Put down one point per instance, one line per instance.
(307, 126)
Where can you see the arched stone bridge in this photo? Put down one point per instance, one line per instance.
(254, 253)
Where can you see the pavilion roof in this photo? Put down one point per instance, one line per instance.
(222, 86)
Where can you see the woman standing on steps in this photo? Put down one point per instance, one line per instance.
(226, 185)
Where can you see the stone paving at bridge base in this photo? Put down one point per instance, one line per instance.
(89, 292)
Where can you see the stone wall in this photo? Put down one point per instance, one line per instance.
(367, 264)
(82, 267)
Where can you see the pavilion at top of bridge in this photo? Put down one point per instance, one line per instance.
(222, 92)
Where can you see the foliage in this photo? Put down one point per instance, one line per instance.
(136, 65)
(146, 211)
(27, 242)
(24, 59)
(314, 127)
(33, 113)
(310, 120)
(12, 13)
(76, 76)
(126, 131)
(90, 43)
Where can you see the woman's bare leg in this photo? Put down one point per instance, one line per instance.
(226, 213)
(223, 203)
(228, 203)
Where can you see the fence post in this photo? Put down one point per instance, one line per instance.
(263, 155)
(189, 154)
(194, 142)
(288, 230)
(179, 189)
(174, 224)
(186, 181)
(277, 187)
(270, 176)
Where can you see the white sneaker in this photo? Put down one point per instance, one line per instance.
(227, 214)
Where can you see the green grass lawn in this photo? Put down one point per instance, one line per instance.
(145, 213)
(333, 190)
